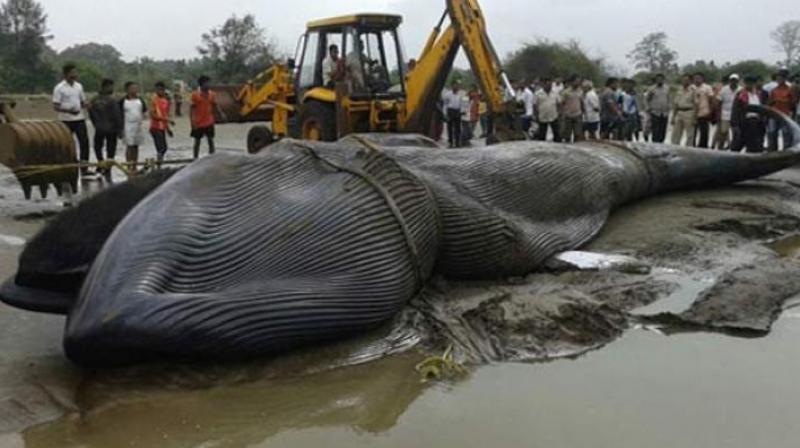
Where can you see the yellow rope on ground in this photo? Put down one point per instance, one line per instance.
(127, 167)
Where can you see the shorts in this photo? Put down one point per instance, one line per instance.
(198, 133)
(591, 127)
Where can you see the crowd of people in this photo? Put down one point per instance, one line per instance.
(699, 113)
(125, 119)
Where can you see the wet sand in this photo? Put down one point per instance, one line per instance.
(647, 382)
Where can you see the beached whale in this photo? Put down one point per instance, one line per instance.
(237, 257)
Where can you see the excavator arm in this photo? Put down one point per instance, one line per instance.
(427, 79)
(467, 29)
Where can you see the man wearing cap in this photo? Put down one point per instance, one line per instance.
(748, 123)
(782, 99)
(726, 98)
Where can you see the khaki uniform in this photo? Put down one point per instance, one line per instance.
(685, 116)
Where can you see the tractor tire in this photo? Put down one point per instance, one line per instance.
(258, 138)
(317, 122)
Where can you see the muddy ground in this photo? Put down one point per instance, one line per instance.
(720, 262)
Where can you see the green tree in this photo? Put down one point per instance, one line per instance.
(237, 50)
(652, 54)
(90, 76)
(712, 72)
(23, 38)
(465, 77)
(552, 59)
(751, 67)
(105, 58)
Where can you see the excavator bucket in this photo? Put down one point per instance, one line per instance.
(228, 104)
(38, 152)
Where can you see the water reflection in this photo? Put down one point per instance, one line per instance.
(135, 411)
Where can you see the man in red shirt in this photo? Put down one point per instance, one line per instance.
(204, 104)
(783, 99)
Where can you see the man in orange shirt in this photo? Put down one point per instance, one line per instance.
(159, 121)
(204, 104)
(783, 99)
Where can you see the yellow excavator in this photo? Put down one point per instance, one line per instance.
(376, 88)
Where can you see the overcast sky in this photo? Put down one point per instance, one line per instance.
(719, 30)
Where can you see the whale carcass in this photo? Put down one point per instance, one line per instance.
(237, 257)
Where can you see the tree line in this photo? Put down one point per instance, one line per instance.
(651, 56)
(239, 49)
(231, 53)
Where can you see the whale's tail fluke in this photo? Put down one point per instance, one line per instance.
(673, 168)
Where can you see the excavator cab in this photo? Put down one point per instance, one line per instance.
(360, 91)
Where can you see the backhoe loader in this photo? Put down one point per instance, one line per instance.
(377, 90)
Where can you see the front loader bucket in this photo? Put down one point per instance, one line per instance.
(228, 102)
(37, 151)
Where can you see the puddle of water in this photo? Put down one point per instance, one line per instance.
(689, 289)
(787, 247)
(690, 390)
(589, 261)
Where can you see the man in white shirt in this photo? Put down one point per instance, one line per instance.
(528, 100)
(558, 86)
(726, 98)
(330, 67)
(547, 105)
(591, 110)
(69, 101)
(453, 99)
(770, 86)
